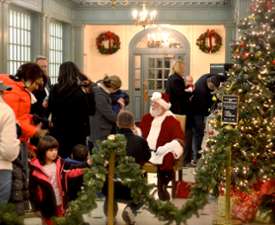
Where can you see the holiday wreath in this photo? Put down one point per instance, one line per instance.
(108, 43)
(205, 41)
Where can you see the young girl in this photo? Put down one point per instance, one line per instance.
(48, 180)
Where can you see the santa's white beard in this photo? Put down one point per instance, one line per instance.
(155, 112)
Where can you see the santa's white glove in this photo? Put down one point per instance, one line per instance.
(174, 147)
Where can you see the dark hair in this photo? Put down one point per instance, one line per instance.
(125, 119)
(215, 79)
(112, 81)
(44, 144)
(80, 152)
(69, 76)
(30, 72)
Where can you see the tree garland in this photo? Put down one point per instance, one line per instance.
(113, 43)
(205, 41)
(207, 179)
(8, 215)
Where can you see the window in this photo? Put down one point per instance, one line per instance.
(56, 50)
(19, 44)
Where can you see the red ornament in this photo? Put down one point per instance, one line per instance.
(253, 8)
(273, 62)
(242, 44)
(254, 161)
(269, 4)
(245, 55)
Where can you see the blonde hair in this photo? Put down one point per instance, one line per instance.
(175, 66)
(112, 81)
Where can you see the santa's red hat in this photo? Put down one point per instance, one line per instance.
(162, 99)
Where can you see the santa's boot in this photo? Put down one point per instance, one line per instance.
(164, 177)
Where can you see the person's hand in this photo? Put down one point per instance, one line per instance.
(137, 131)
(41, 132)
(89, 161)
(45, 103)
(121, 101)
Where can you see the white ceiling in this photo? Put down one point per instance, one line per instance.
(165, 3)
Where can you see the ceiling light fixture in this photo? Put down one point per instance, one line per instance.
(144, 17)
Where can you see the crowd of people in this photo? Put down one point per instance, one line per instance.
(47, 132)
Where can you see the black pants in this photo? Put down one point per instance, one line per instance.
(122, 194)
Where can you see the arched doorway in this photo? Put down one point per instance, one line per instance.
(151, 53)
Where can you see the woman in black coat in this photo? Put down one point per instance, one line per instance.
(180, 103)
(175, 87)
(71, 102)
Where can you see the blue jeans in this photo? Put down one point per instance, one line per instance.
(198, 125)
(5, 185)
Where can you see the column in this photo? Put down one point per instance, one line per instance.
(4, 13)
(78, 45)
(230, 37)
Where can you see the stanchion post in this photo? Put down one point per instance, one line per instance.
(110, 212)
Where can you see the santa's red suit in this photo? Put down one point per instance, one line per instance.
(164, 136)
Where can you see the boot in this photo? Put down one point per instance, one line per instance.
(164, 177)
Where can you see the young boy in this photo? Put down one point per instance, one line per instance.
(136, 147)
(79, 159)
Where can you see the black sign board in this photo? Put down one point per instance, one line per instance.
(230, 105)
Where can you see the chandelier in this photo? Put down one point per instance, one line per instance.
(144, 16)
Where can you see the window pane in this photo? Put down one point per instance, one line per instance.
(19, 43)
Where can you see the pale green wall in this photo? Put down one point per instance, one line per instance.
(74, 19)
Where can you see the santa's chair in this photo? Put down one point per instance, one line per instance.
(170, 163)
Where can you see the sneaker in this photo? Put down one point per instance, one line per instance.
(193, 163)
(128, 216)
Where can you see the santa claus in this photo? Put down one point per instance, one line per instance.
(165, 138)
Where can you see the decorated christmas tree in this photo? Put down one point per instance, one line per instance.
(253, 80)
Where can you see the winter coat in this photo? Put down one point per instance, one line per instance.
(43, 196)
(104, 119)
(19, 189)
(74, 183)
(70, 117)
(136, 146)
(19, 99)
(9, 144)
(179, 98)
(201, 101)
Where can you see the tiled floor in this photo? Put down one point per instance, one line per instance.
(96, 217)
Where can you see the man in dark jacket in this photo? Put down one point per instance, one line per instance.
(202, 101)
(138, 148)
(40, 108)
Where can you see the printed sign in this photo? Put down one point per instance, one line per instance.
(230, 106)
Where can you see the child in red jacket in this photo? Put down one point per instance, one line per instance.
(48, 180)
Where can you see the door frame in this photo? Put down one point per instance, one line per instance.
(133, 50)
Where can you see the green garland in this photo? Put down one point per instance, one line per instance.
(8, 215)
(132, 176)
